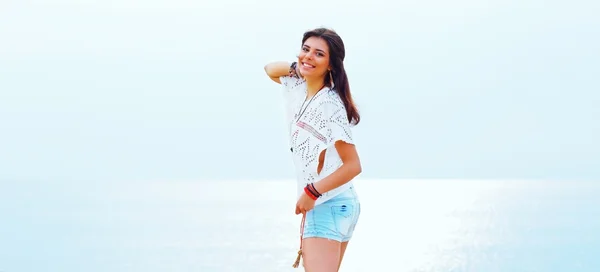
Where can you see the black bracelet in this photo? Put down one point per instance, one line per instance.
(315, 189)
(311, 188)
(310, 191)
(292, 71)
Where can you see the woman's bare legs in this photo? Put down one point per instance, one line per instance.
(343, 247)
(322, 255)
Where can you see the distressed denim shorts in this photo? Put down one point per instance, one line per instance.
(335, 218)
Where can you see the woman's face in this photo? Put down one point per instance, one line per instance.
(314, 58)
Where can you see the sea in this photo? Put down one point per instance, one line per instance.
(406, 225)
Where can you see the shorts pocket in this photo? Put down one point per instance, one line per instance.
(343, 215)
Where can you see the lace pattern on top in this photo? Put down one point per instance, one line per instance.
(323, 123)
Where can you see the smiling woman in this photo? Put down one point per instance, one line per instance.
(320, 115)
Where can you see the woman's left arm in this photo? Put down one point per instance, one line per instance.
(350, 168)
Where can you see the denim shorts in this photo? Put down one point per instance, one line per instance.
(335, 218)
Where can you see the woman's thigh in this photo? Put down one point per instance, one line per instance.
(321, 254)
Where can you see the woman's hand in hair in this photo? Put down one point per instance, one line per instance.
(277, 69)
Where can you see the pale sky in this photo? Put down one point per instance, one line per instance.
(164, 89)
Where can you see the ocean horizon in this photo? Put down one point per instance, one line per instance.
(405, 225)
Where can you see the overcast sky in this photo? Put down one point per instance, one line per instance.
(171, 89)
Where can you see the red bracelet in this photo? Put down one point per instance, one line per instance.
(309, 193)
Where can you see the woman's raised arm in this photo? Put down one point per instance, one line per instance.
(277, 69)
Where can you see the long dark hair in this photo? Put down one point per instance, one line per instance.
(337, 53)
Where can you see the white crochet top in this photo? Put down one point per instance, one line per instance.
(313, 128)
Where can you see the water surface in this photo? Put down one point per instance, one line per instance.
(405, 225)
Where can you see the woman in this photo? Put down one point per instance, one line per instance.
(320, 114)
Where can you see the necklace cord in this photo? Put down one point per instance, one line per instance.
(297, 262)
